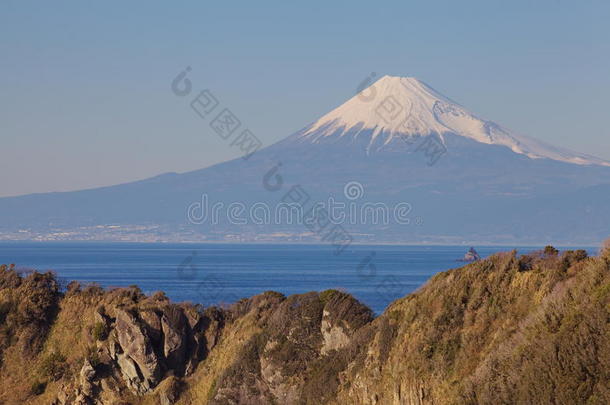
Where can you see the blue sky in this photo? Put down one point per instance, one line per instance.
(85, 88)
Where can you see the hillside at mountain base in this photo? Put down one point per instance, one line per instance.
(505, 330)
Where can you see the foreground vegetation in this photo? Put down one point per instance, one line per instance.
(505, 330)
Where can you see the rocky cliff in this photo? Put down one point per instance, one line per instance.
(508, 329)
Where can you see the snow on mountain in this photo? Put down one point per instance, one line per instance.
(398, 107)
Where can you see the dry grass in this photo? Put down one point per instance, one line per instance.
(509, 329)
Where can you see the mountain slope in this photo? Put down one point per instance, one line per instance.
(459, 178)
(397, 107)
(508, 329)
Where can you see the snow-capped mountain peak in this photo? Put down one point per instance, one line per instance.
(392, 105)
(398, 107)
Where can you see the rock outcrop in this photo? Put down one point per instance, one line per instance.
(132, 348)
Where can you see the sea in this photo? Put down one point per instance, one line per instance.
(220, 274)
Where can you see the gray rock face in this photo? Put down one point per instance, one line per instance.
(149, 344)
(152, 320)
(210, 328)
(87, 373)
(132, 375)
(138, 360)
(334, 335)
(175, 331)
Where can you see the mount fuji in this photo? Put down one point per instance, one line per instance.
(396, 145)
(407, 107)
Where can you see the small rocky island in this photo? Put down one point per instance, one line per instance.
(471, 256)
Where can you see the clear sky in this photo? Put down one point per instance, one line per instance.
(85, 95)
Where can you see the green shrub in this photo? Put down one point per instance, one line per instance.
(53, 366)
(93, 289)
(322, 380)
(550, 251)
(212, 390)
(5, 308)
(93, 357)
(344, 307)
(38, 387)
(571, 257)
(387, 333)
(526, 263)
(325, 296)
(99, 331)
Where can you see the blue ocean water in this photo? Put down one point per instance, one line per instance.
(223, 273)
